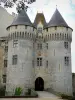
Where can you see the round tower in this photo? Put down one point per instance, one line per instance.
(20, 71)
(58, 35)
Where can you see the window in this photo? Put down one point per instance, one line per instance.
(39, 46)
(16, 27)
(66, 60)
(39, 30)
(4, 78)
(66, 45)
(25, 26)
(39, 61)
(47, 29)
(15, 43)
(6, 48)
(67, 28)
(47, 45)
(5, 63)
(14, 60)
(47, 63)
(55, 27)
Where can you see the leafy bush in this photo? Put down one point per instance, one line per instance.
(66, 97)
(18, 91)
(2, 91)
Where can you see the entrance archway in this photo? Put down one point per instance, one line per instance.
(39, 84)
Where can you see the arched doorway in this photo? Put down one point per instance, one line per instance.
(39, 84)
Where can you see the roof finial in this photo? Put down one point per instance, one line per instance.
(56, 6)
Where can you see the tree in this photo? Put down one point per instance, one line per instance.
(21, 4)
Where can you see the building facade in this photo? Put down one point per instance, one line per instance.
(39, 54)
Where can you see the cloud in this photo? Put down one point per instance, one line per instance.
(73, 1)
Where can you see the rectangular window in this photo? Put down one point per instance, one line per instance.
(6, 48)
(39, 46)
(5, 63)
(15, 43)
(47, 29)
(47, 63)
(25, 26)
(66, 45)
(66, 60)
(16, 27)
(14, 59)
(47, 45)
(55, 27)
(39, 61)
(39, 30)
(4, 78)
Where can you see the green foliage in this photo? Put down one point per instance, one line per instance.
(2, 91)
(66, 97)
(21, 4)
(18, 91)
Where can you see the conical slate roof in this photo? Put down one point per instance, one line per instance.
(21, 19)
(57, 20)
(40, 17)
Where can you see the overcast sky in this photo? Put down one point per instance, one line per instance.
(66, 8)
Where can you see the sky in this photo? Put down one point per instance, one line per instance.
(65, 7)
